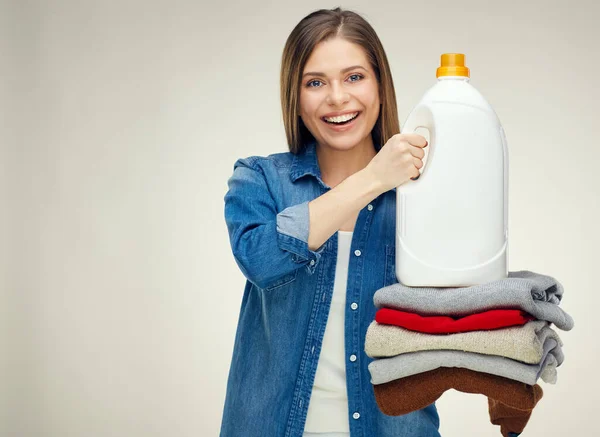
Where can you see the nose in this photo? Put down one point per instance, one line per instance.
(337, 96)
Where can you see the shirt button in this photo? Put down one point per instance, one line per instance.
(370, 207)
(312, 262)
(353, 305)
(353, 358)
(356, 415)
(357, 252)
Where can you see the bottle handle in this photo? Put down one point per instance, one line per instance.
(422, 116)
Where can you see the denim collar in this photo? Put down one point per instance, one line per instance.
(306, 163)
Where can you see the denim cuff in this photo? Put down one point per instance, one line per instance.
(292, 235)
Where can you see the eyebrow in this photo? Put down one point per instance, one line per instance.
(318, 73)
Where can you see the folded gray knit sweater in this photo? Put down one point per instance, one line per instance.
(388, 369)
(537, 294)
(522, 343)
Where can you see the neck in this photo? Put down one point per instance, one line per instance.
(337, 165)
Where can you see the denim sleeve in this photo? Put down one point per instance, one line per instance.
(266, 244)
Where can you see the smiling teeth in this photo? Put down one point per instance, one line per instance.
(341, 118)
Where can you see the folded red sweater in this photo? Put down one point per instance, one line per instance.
(492, 319)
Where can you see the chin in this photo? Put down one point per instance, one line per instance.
(342, 143)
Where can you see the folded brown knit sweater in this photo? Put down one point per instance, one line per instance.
(510, 402)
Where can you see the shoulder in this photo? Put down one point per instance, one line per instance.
(256, 174)
(280, 160)
(271, 168)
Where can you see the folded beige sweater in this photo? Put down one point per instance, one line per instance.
(522, 343)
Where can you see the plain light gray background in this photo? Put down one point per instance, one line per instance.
(121, 123)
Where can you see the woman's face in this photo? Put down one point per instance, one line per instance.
(338, 78)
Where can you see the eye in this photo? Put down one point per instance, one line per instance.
(359, 76)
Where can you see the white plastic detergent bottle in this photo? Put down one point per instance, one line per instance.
(452, 221)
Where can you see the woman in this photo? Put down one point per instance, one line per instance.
(313, 230)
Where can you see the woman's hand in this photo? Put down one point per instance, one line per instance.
(397, 161)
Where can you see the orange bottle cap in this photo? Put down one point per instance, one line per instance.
(453, 64)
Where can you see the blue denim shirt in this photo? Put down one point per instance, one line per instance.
(287, 297)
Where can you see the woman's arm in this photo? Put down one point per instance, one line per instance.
(268, 244)
(399, 159)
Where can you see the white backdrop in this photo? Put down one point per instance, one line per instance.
(122, 123)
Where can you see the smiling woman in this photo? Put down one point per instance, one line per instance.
(339, 86)
(345, 67)
(312, 229)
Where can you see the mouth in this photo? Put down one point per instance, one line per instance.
(334, 125)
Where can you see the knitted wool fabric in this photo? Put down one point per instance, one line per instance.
(510, 402)
(486, 320)
(522, 343)
(399, 366)
(534, 293)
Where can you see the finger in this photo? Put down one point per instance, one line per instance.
(417, 152)
(414, 178)
(416, 140)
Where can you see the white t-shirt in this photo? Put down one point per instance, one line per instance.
(328, 405)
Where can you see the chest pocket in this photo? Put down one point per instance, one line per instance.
(390, 266)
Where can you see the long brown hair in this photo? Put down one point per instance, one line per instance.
(319, 26)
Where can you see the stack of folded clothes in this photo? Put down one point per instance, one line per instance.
(493, 339)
